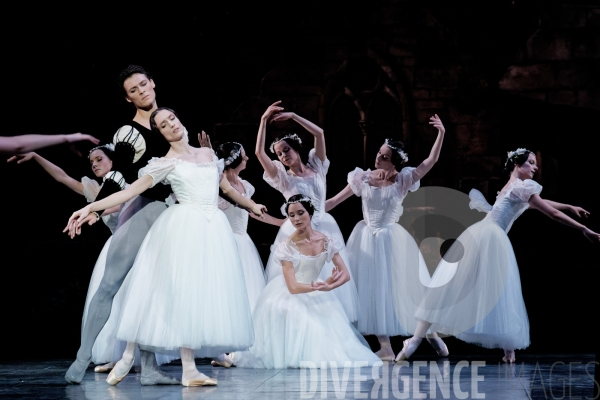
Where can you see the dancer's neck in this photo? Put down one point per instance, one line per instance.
(142, 116)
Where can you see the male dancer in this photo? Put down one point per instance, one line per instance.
(135, 145)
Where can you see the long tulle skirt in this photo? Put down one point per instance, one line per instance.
(254, 272)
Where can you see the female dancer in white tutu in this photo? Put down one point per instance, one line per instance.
(306, 178)
(297, 318)
(235, 159)
(478, 298)
(188, 259)
(381, 250)
(107, 350)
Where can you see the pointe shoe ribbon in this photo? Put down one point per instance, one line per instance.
(112, 378)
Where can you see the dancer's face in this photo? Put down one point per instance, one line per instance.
(527, 170)
(287, 155)
(384, 158)
(101, 164)
(298, 215)
(169, 126)
(140, 91)
(242, 165)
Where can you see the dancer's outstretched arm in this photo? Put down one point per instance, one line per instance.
(26, 143)
(313, 129)
(428, 163)
(236, 196)
(580, 212)
(56, 172)
(333, 202)
(339, 276)
(260, 152)
(536, 202)
(269, 219)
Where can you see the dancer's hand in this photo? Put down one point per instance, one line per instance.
(282, 116)
(73, 226)
(335, 275)
(437, 122)
(78, 137)
(580, 212)
(258, 209)
(591, 235)
(204, 140)
(321, 286)
(271, 111)
(21, 158)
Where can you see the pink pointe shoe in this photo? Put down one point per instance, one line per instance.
(222, 361)
(407, 350)
(112, 378)
(439, 346)
(509, 356)
(105, 367)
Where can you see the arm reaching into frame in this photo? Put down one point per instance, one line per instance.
(429, 162)
(333, 202)
(260, 152)
(26, 143)
(536, 202)
(56, 172)
(236, 196)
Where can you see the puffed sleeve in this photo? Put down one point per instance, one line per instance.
(223, 204)
(171, 200)
(315, 162)
(406, 182)
(249, 188)
(129, 141)
(333, 247)
(523, 190)
(285, 251)
(158, 169)
(116, 177)
(356, 179)
(478, 201)
(279, 181)
(91, 188)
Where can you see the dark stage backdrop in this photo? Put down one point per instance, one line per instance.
(59, 73)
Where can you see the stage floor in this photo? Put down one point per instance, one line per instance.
(456, 377)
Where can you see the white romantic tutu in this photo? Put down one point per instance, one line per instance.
(478, 299)
(291, 328)
(186, 288)
(378, 260)
(252, 265)
(106, 347)
(346, 293)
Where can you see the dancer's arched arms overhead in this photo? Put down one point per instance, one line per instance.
(536, 202)
(428, 163)
(260, 152)
(55, 171)
(344, 194)
(27, 143)
(313, 129)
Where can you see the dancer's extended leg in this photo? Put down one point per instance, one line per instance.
(123, 366)
(121, 254)
(410, 345)
(438, 344)
(191, 376)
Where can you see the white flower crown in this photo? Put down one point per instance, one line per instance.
(517, 152)
(293, 136)
(108, 146)
(398, 150)
(233, 154)
(303, 198)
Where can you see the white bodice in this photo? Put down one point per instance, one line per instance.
(382, 206)
(509, 205)
(314, 186)
(306, 268)
(238, 217)
(193, 184)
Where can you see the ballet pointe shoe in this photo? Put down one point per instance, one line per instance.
(104, 368)
(439, 346)
(408, 348)
(385, 355)
(112, 378)
(199, 379)
(222, 360)
(509, 356)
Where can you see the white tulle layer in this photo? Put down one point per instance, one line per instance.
(254, 272)
(187, 288)
(346, 293)
(378, 257)
(479, 299)
(291, 328)
(106, 347)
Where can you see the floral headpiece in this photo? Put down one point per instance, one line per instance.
(233, 154)
(398, 150)
(513, 154)
(108, 146)
(293, 136)
(303, 198)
